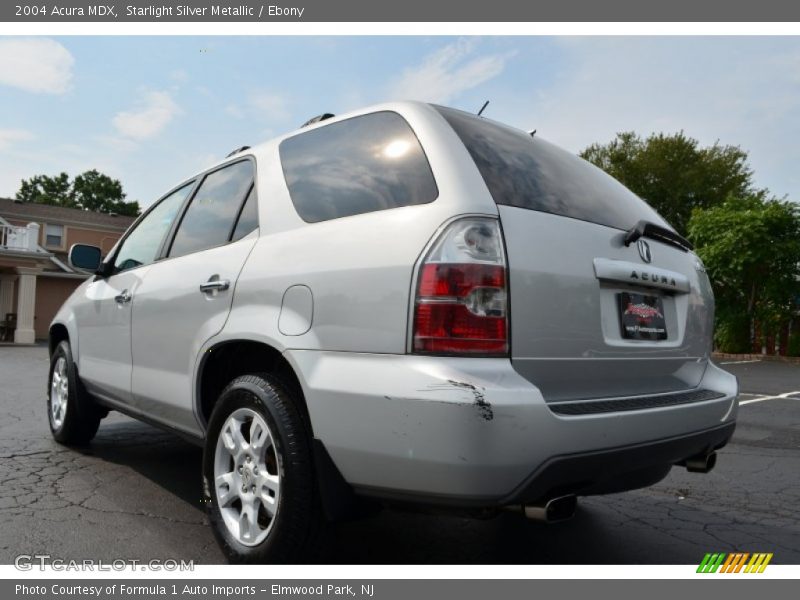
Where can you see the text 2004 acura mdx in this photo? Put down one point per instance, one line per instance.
(406, 303)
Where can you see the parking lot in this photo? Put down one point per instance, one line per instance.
(135, 494)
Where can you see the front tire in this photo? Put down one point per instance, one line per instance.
(72, 414)
(258, 478)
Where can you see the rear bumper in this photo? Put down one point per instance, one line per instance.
(616, 469)
(473, 432)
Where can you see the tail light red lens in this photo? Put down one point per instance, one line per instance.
(461, 306)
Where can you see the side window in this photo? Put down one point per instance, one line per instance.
(359, 165)
(142, 244)
(209, 219)
(248, 218)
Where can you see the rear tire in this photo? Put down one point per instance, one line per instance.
(258, 476)
(72, 414)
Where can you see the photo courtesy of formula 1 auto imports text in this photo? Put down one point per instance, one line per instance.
(332, 299)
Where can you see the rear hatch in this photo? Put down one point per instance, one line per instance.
(591, 315)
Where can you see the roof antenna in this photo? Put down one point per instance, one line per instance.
(532, 133)
(485, 104)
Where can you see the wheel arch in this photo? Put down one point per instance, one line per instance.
(57, 333)
(225, 360)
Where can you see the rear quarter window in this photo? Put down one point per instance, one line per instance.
(529, 172)
(360, 165)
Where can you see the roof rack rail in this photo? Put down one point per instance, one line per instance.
(317, 119)
(240, 149)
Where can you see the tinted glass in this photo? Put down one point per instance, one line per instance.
(209, 219)
(360, 165)
(528, 172)
(143, 243)
(248, 219)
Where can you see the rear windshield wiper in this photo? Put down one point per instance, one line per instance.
(656, 232)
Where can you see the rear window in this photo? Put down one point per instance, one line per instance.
(360, 165)
(528, 172)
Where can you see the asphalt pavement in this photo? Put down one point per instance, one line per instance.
(135, 494)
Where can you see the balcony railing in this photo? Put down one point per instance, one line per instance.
(19, 239)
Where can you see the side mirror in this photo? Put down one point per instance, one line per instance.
(85, 257)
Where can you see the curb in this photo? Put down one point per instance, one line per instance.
(764, 357)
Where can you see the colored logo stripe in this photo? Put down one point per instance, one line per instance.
(734, 562)
(711, 563)
(729, 562)
(758, 563)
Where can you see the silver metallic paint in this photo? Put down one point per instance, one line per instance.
(459, 427)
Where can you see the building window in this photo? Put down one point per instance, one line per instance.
(54, 236)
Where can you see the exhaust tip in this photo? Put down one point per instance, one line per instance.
(562, 508)
(702, 463)
(554, 510)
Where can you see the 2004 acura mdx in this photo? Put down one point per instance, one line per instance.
(407, 303)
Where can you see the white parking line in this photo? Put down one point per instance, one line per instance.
(763, 398)
(740, 362)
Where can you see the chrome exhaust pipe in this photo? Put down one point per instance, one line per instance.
(702, 463)
(553, 510)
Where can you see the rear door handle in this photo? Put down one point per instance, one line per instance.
(123, 298)
(215, 285)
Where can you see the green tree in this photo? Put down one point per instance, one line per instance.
(43, 189)
(751, 249)
(98, 192)
(91, 190)
(673, 173)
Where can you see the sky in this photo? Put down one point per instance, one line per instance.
(152, 111)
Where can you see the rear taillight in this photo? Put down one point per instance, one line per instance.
(461, 304)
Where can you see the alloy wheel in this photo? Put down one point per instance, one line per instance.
(247, 477)
(59, 393)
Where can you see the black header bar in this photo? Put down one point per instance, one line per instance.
(401, 11)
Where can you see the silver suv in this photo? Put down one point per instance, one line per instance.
(407, 303)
